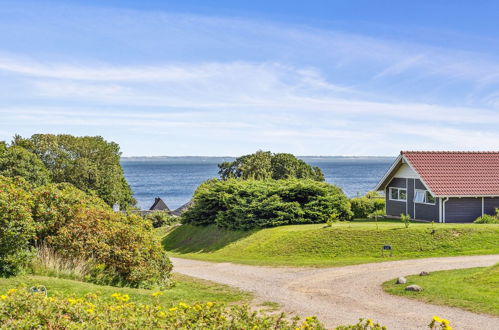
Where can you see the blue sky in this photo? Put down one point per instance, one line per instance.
(228, 78)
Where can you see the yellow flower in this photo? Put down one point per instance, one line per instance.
(90, 311)
(173, 309)
(162, 314)
(209, 304)
(11, 291)
(72, 301)
(156, 294)
(184, 305)
(116, 295)
(437, 319)
(125, 297)
(3, 297)
(370, 322)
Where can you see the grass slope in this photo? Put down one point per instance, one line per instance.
(344, 243)
(187, 289)
(473, 289)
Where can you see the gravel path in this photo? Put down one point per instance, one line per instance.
(341, 295)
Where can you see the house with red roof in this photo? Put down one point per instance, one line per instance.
(442, 186)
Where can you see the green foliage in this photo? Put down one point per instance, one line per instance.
(20, 309)
(122, 246)
(487, 218)
(89, 163)
(247, 204)
(122, 249)
(56, 206)
(16, 225)
(17, 161)
(264, 165)
(406, 219)
(161, 218)
(363, 206)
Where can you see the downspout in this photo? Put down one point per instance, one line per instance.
(443, 208)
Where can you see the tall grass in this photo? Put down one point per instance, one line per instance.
(48, 262)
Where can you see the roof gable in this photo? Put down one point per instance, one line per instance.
(159, 205)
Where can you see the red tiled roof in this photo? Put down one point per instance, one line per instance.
(451, 173)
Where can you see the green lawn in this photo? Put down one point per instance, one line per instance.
(344, 243)
(188, 290)
(473, 289)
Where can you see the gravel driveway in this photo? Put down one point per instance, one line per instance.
(341, 295)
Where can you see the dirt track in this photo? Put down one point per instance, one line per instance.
(341, 295)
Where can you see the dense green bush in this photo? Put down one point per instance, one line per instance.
(487, 218)
(122, 246)
(17, 161)
(76, 226)
(263, 165)
(363, 206)
(16, 225)
(56, 205)
(161, 218)
(247, 204)
(90, 163)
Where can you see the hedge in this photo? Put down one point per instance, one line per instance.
(248, 204)
(363, 206)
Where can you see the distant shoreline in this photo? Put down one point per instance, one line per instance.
(229, 158)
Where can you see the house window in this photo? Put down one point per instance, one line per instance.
(398, 194)
(423, 197)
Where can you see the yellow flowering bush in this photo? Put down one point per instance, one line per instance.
(20, 309)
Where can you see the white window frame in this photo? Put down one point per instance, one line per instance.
(398, 194)
(425, 192)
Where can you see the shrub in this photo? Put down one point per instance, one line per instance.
(406, 219)
(487, 218)
(22, 310)
(16, 225)
(56, 205)
(17, 161)
(161, 218)
(247, 204)
(363, 206)
(123, 248)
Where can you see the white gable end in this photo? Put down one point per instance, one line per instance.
(405, 171)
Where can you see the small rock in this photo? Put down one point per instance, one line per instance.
(401, 280)
(423, 273)
(414, 287)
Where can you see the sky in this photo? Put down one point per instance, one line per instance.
(226, 78)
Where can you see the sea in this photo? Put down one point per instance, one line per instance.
(175, 179)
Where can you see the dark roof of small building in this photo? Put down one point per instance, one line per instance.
(159, 205)
(182, 209)
(454, 173)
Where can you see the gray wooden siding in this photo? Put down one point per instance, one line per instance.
(395, 208)
(426, 211)
(463, 209)
(490, 205)
(416, 210)
(410, 197)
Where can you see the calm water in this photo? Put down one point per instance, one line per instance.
(175, 179)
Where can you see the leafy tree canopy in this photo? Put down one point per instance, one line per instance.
(17, 161)
(89, 163)
(264, 165)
